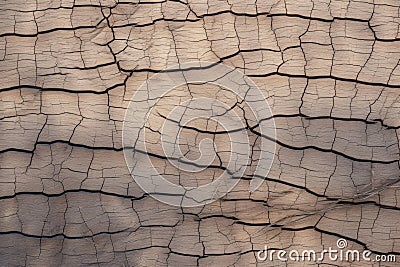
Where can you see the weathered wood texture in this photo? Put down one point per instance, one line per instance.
(329, 70)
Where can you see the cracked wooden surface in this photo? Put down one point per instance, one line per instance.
(329, 70)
